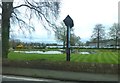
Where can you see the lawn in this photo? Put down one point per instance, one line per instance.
(101, 56)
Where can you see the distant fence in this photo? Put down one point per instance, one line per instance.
(86, 47)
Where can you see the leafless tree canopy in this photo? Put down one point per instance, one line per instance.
(61, 35)
(98, 32)
(44, 10)
(22, 14)
(114, 31)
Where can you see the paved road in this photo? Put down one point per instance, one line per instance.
(11, 78)
(21, 79)
(74, 76)
(59, 74)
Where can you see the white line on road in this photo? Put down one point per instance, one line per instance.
(24, 78)
(20, 78)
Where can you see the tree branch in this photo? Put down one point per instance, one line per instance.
(39, 12)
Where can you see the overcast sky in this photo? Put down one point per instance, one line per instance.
(85, 13)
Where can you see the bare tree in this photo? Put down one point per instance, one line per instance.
(115, 33)
(61, 32)
(98, 33)
(12, 15)
(75, 40)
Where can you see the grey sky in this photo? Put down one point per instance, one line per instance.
(85, 13)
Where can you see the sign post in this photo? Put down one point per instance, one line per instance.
(69, 23)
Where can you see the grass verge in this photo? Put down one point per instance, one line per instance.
(102, 56)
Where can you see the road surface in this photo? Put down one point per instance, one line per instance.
(10, 78)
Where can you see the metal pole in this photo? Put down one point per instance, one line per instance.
(68, 44)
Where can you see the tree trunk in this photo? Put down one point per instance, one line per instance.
(98, 39)
(64, 44)
(6, 14)
(116, 42)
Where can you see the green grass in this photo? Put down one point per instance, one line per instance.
(23, 56)
(102, 56)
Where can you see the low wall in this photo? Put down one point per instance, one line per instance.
(65, 66)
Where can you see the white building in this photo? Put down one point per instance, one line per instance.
(104, 44)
